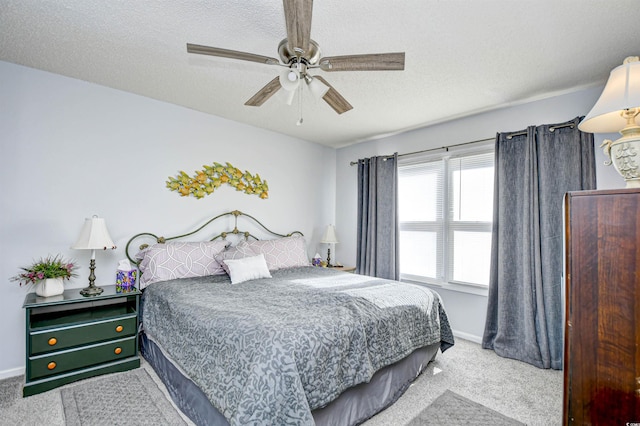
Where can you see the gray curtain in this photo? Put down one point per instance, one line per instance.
(532, 174)
(377, 251)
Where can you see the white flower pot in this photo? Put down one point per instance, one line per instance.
(50, 287)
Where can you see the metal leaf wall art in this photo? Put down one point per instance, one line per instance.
(206, 181)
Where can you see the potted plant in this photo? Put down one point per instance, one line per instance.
(48, 275)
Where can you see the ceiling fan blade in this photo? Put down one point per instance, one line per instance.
(233, 54)
(334, 99)
(297, 14)
(370, 62)
(265, 93)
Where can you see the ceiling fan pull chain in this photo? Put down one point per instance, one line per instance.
(299, 122)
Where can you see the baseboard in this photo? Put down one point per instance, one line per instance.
(467, 336)
(5, 374)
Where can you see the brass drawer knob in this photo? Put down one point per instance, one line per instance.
(119, 328)
(52, 341)
(118, 351)
(51, 365)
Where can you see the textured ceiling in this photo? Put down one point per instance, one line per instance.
(462, 57)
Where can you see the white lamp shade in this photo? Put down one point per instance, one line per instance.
(621, 92)
(286, 83)
(291, 94)
(285, 96)
(94, 235)
(318, 88)
(329, 236)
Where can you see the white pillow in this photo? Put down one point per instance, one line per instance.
(247, 268)
(234, 253)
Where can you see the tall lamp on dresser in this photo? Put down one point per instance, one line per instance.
(618, 110)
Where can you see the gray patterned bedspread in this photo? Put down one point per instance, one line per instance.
(270, 351)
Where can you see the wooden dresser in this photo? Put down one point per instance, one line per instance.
(72, 337)
(602, 327)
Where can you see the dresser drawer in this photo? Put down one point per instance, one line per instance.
(72, 359)
(59, 338)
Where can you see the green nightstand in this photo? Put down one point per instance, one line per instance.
(72, 337)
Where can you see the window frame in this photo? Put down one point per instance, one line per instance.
(444, 266)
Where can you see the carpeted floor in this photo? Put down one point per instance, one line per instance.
(512, 388)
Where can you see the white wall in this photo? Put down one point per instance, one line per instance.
(71, 149)
(467, 312)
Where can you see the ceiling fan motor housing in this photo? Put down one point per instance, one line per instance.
(310, 57)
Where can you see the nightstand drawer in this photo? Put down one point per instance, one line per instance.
(67, 337)
(73, 359)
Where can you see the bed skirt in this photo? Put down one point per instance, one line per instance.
(352, 407)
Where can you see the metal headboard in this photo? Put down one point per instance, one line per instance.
(222, 235)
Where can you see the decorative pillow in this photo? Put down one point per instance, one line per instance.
(247, 268)
(162, 262)
(279, 253)
(233, 253)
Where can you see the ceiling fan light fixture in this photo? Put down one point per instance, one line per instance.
(290, 95)
(286, 82)
(299, 53)
(317, 88)
(285, 97)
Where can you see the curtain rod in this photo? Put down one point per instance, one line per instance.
(446, 148)
(510, 136)
(551, 129)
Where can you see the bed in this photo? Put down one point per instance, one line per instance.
(249, 333)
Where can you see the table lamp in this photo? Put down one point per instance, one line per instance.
(617, 110)
(93, 236)
(329, 237)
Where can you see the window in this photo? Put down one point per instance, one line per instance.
(445, 207)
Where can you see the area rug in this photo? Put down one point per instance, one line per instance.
(128, 398)
(453, 409)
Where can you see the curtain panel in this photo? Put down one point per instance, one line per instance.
(533, 171)
(377, 245)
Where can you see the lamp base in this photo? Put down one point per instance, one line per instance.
(329, 265)
(624, 153)
(92, 290)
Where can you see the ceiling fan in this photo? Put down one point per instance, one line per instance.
(299, 54)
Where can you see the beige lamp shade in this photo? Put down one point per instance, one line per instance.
(329, 236)
(621, 92)
(94, 235)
